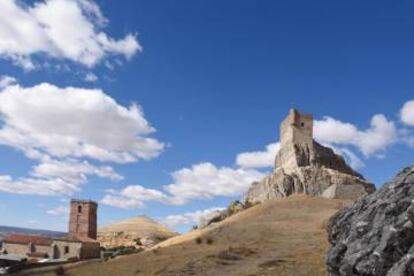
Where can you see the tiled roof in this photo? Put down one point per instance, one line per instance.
(26, 239)
(73, 238)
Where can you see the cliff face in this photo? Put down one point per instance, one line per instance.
(375, 235)
(304, 166)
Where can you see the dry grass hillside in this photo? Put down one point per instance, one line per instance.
(279, 237)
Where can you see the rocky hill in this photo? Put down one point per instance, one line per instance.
(375, 236)
(279, 237)
(139, 231)
(304, 166)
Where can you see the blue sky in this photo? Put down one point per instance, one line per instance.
(214, 80)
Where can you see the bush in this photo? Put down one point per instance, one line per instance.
(138, 242)
(199, 240)
(210, 240)
(235, 207)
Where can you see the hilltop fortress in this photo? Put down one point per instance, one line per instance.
(304, 166)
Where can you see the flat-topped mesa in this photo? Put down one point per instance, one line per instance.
(304, 166)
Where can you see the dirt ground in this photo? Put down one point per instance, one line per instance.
(279, 237)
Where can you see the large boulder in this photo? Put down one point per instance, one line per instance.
(375, 235)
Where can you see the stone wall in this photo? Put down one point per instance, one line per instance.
(90, 250)
(15, 248)
(59, 249)
(74, 249)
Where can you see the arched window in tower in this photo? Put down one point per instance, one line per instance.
(79, 209)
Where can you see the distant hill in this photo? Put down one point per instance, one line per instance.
(126, 232)
(6, 230)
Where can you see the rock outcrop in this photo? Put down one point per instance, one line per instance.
(304, 166)
(375, 235)
(140, 232)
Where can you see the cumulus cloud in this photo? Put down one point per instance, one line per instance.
(61, 127)
(58, 211)
(6, 81)
(201, 181)
(37, 186)
(53, 177)
(407, 113)
(372, 141)
(61, 29)
(74, 171)
(74, 122)
(132, 197)
(205, 180)
(189, 218)
(258, 159)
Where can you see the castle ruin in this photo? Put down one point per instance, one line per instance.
(304, 166)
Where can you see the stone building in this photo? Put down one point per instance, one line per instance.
(79, 244)
(304, 166)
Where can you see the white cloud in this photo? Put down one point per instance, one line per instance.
(6, 81)
(372, 141)
(37, 186)
(132, 197)
(73, 171)
(258, 159)
(189, 218)
(407, 113)
(74, 122)
(205, 180)
(58, 211)
(201, 181)
(68, 29)
(91, 77)
(52, 177)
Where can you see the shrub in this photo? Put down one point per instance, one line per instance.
(199, 240)
(235, 207)
(210, 240)
(138, 241)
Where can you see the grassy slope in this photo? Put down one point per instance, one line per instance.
(279, 237)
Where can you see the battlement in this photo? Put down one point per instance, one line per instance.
(297, 128)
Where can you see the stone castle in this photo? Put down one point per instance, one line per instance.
(304, 166)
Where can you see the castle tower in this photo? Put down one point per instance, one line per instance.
(295, 130)
(82, 220)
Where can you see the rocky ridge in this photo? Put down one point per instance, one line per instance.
(375, 235)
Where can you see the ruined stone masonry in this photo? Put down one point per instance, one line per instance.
(304, 166)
